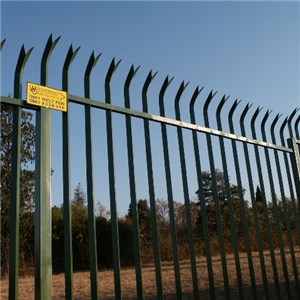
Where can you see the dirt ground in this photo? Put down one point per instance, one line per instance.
(106, 280)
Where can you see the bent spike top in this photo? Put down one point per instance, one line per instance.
(292, 121)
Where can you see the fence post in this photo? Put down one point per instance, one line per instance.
(43, 231)
(15, 178)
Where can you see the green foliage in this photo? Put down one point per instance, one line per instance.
(207, 182)
(57, 239)
(26, 185)
(144, 217)
(286, 211)
(79, 196)
(225, 211)
(258, 195)
(80, 236)
(126, 242)
(80, 239)
(209, 201)
(104, 243)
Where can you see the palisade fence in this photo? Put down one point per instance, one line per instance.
(270, 229)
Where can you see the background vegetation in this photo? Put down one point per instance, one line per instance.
(203, 215)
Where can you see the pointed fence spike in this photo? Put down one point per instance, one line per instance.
(218, 111)
(70, 57)
(257, 111)
(112, 68)
(76, 51)
(56, 41)
(263, 125)
(165, 85)
(118, 63)
(284, 123)
(253, 120)
(192, 103)
(87, 75)
(147, 83)
(154, 74)
(245, 111)
(205, 107)
(195, 96)
(68, 60)
(208, 100)
(181, 89)
(272, 128)
(266, 116)
(162, 92)
(30, 50)
(132, 72)
(91, 64)
(232, 109)
(177, 99)
(221, 104)
(197, 90)
(97, 57)
(214, 94)
(50, 45)
(136, 69)
(22, 60)
(2, 44)
(242, 118)
(290, 118)
(230, 115)
(296, 126)
(277, 117)
(282, 128)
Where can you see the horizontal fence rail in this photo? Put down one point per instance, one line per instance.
(155, 118)
(238, 240)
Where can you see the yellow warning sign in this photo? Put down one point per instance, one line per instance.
(47, 97)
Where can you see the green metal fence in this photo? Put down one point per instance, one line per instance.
(272, 163)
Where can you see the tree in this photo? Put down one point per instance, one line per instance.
(162, 212)
(26, 183)
(102, 211)
(80, 236)
(210, 209)
(207, 182)
(79, 196)
(144, 215)
(258, 195)
(80, 229)
(79, 233)
(58, 238)
(180, 215)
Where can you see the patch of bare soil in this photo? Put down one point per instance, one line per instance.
(106, 280)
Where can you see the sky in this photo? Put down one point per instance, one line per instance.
(247, 50)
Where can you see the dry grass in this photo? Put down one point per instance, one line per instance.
(106, 280)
